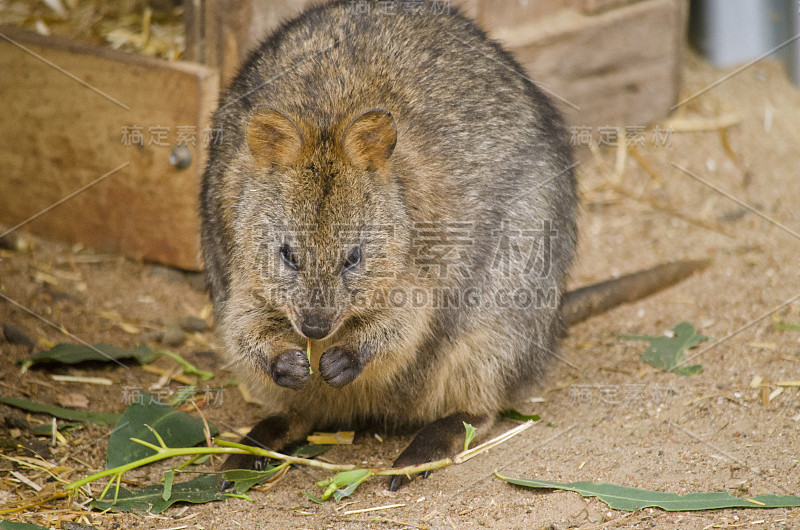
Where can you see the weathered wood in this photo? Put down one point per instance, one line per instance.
(63, 127)
(496, 16)
(620, 67)
(194, 38)
(233, 28)
(596, 6)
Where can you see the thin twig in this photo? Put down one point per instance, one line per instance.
(230, 448)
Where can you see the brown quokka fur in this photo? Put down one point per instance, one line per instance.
(394, 187)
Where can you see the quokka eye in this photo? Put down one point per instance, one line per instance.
(353, 258)
(288, 257)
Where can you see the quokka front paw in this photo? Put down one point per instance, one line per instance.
(290, 369)
(339, 366)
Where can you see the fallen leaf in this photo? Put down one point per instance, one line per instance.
(667, 353)
(311, 450)
(66, 353)
(244, 479)
(85, 416)
(516, 415)
(197, 491)
(176, 428)
(631, 499)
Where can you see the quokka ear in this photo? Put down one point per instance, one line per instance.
(273, 138)
(368, 141)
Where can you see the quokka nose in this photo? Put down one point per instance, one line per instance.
(315, 326)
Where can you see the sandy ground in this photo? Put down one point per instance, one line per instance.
(606, 416)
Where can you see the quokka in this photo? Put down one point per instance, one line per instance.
(368, 155)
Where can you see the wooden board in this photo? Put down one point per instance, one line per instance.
(595, 6)
(63, 126)
(620, 67)
(494, 16)
(224, 31)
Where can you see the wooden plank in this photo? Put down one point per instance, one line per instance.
(619, 67)
(496, 16)
(64, 127)
(596, 6)
(234, 28)
(193, 31)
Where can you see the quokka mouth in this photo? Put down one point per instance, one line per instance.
(316, 324)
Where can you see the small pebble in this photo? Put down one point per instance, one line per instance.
(192, 324)
(173, 337)
(7, 242)
(14, 335)
(16, 420)
(39, 447)
(152, 336)
(14, 242)
(195, 280)
(166, 273)
(207, 359)
(70, 525)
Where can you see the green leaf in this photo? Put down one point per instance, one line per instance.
(470, 435)
(631, 499)
(169, 476)
(66, 353)
(344, 483)
(786, 326)
(47, 429)
(199, 490)
(667, 353)
(9, 525)
(177, 429)
(343, 478)
(312, 450)
(84, 416)
(312, 498)
(201, 460)
(516, 415)
(184, 393)
(244, 479)
(341, 493)
(188, 368)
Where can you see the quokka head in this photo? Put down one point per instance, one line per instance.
(323, 215)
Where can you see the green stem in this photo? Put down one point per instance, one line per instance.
(162, 454)
(188, 368)
(288, 458)
(233, 448)
(189, 462)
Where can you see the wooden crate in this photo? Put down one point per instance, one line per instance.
(618, 66)
(71, 115)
